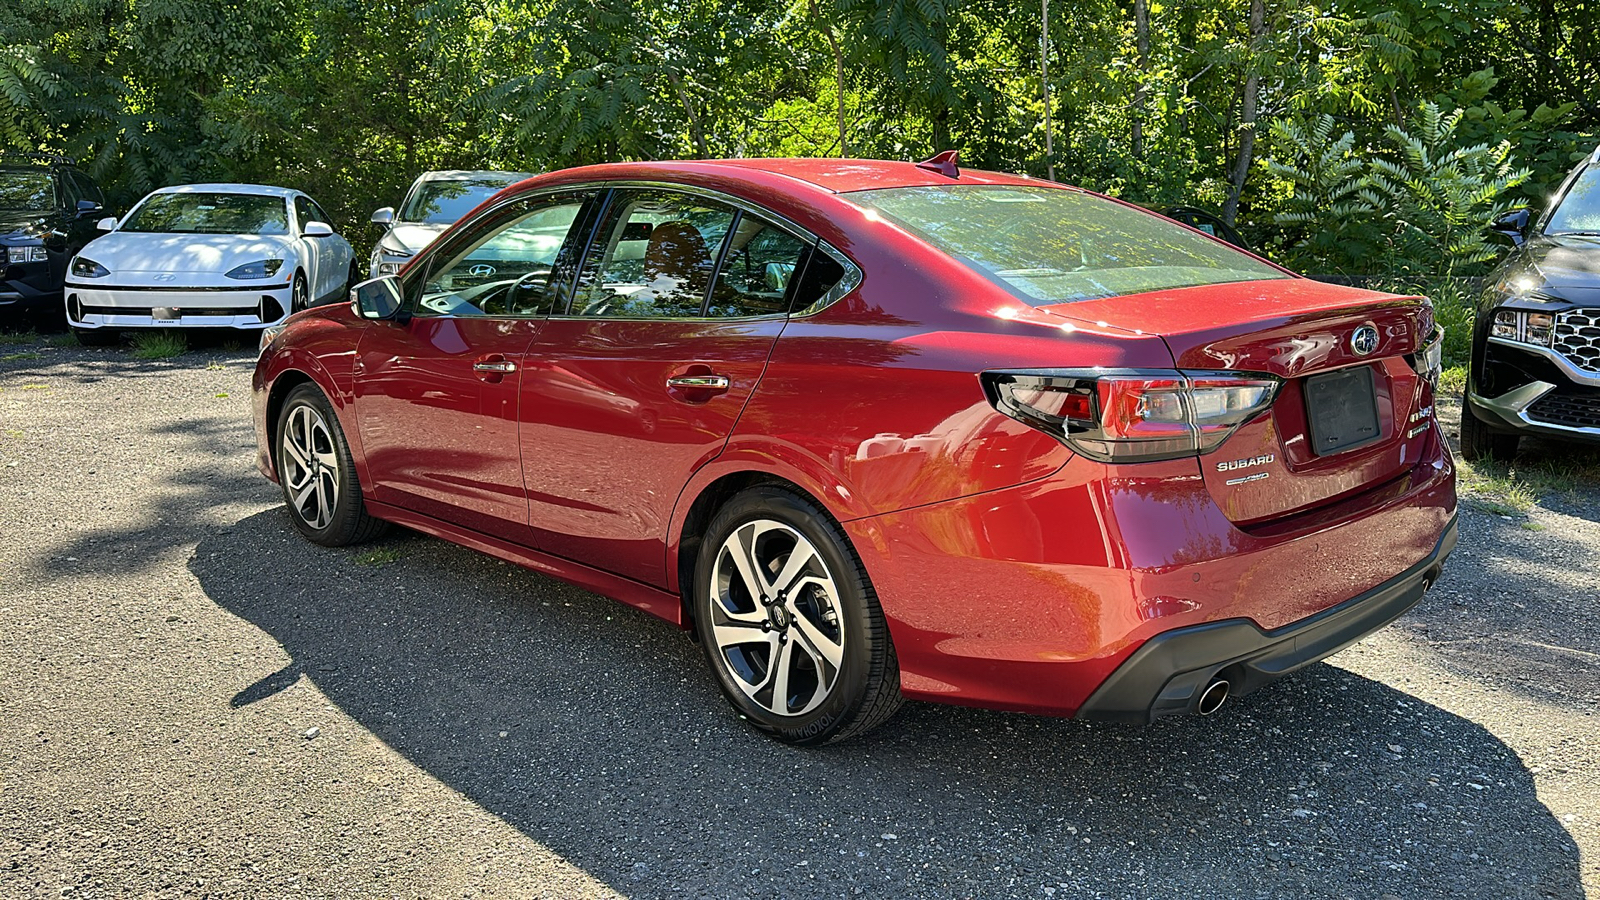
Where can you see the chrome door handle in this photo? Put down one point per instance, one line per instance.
(699, 382)
(502, 367)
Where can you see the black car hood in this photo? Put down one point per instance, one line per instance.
(22, 227)
(1561, 266)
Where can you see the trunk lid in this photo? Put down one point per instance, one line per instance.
(1321, 441)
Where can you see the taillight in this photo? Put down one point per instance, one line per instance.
(1124, 415)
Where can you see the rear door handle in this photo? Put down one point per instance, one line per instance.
(499, 367)
(699, 382)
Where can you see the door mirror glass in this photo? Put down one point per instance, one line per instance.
(1513, 224)
(379, 298)
(318, 229)
(384, 216)
(109, 223)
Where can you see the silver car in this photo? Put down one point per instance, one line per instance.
(434, 203)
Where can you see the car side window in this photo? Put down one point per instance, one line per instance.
(302, 213)
(757, 271)
(88, 188)
(317, 213)
(653, 257)
(503, 267)
(70, 195)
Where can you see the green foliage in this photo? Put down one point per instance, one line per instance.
(350, 99)
(158, 344)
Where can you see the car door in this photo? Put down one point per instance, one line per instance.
(640, 382)
(313, 250)
(437, 389)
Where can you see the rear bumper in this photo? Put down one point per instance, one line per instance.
(1029, 598)
(1167, 674)
(255, 307)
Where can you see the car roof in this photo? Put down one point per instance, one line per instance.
(831, 175)
(474, 174)
(265, 190)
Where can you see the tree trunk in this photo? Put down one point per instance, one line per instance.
(838, 72)
(1141, 43)
(697, 132)
(1247, 112)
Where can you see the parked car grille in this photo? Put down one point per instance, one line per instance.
(1577, 337)
(1571, 409)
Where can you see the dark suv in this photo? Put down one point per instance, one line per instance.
(48, 209)
(1536, 346)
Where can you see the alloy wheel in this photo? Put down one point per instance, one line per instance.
(775, 617)
(310, 466)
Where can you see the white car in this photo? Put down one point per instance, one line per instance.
(207, 256)
(436, 201)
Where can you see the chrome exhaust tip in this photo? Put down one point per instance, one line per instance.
(1212, 698)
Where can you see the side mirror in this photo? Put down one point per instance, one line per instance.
(1513, 224)
(87, 208)
(378, 298)
(384, 216)
(109, 223)
(318, 229)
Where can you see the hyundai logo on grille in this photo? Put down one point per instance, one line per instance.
(482, 270)
(1364, 340)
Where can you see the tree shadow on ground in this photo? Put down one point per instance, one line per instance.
(598, 732)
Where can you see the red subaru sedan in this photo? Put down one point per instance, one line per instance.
(876, 430)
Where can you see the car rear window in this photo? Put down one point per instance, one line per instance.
(197, 213)
(1058, 245)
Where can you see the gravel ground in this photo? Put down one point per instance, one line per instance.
(195, 702)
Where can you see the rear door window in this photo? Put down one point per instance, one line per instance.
(653, 257)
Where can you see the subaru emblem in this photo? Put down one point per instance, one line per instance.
(1364, 340)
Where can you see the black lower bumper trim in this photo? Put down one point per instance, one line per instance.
(1167, 674)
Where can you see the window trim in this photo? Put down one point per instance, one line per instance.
(419, 271)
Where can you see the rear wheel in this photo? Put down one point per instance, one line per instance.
(317, 474)
(1478, 442)
(790, 623)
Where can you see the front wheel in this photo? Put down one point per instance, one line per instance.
(1479, 443)
(317, 474)
(790, 623)
(301, 298)
(97, 337)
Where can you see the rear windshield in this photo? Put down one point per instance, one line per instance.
(196, 213)
(30, 191)
(1054, 245)
(445, 202)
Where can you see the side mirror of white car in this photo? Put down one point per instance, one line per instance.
(109, 223)
(318, 229)
(384, 216)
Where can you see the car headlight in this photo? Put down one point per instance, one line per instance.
(268, 335)
(26, 254)
(83, 267)
(1522, 326)
(261, 268)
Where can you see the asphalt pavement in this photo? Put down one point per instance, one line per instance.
(196, 702)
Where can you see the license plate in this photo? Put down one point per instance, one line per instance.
(166, 314)
(1342, 409)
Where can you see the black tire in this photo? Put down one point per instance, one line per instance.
(301, 297)
(346, 520)
(864, 691)
(1478, 442)
(97, 337)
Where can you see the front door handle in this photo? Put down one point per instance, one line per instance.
(498, 367)
(717, 383)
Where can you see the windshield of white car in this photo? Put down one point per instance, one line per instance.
(27, 191)
(1052, 245)
(196, 213)
(445, 202)
(1579, 212)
